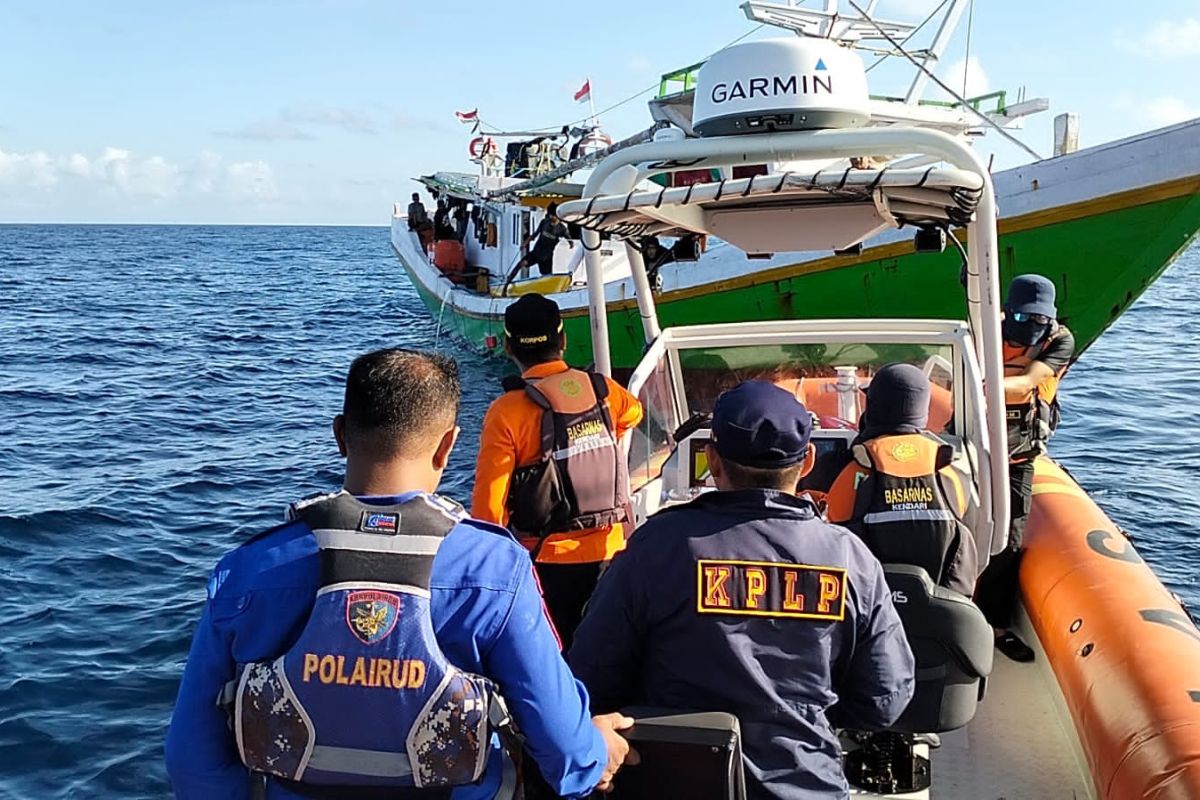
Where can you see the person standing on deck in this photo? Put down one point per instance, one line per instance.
(1037, 352)
(745, 601)
(327, 638)
(550, 464)
(549, 231)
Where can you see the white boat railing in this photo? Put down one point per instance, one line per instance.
(622, 171)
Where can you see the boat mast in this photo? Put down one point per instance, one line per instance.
(934, 53)
(831, 23)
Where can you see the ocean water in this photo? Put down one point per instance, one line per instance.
(165, 391)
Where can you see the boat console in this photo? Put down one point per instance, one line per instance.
(685, 473)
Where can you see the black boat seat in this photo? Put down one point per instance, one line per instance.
(952, 644)
(697, 756)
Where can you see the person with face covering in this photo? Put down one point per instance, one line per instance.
(1037, 352)
(899, 492)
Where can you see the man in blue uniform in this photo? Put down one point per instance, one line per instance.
(343, 641)
(744, 601)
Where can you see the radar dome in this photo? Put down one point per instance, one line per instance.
(793, 84)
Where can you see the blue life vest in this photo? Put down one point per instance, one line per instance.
(365, 696)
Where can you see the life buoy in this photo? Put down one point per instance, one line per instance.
(482, 146)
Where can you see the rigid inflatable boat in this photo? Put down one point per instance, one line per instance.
(1110, 706)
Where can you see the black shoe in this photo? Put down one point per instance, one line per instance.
(1014, 648)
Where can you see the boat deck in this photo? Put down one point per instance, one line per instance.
(1020, 746)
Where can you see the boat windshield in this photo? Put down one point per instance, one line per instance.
(830, 379)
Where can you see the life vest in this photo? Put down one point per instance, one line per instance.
(903, 510)
(580, 482)
(1032, 420)
(365, 697)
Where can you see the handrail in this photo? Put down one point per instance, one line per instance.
(622, 171)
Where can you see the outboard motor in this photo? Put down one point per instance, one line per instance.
(952, 644)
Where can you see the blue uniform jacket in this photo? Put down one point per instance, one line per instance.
(488, 618)
(668, 627)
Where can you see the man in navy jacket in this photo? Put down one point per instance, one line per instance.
(744, 601)
(396, 432)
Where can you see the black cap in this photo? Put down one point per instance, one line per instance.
(898, 397)
(757, 424)
(532, 322)
(1031, 294)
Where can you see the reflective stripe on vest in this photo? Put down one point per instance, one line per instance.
(902, 510)
(880, 517)
(365, 696)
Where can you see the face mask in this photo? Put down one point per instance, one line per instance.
(1025, 333)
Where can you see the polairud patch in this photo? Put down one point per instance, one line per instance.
(372, 615)
(770, 589)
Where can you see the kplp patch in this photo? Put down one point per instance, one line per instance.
(372, 615)
(379, 522)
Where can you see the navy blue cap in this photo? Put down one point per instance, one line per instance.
(757, 424)
(1031, 294)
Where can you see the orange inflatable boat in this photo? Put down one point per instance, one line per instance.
(1125, 653)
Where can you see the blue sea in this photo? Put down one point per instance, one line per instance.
(166, 391)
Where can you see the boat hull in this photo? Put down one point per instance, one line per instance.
(1103, 224)
(1125, 653)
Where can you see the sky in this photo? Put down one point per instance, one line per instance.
(321, 111)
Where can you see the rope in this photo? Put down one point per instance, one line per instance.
(630, 99)
(914, 32)
(967, 58)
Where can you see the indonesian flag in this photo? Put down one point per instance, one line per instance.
(467, 117)
(585, 92)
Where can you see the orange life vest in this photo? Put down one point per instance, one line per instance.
(902, 497)
(1034, 418)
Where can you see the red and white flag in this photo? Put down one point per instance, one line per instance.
(467, 117)
(585, 92)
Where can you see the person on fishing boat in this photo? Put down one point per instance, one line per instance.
(549, 232)
(359, 649)
(419, 222)
(418, 217)
(1037, 352)
(898, 489)
(550, 464)
(745, 601)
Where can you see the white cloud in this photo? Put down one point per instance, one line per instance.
(1166, 40)
(977, 82)
(1163, 111)
(906, 10)
(267, 130)
(32, 170)
(120, 171)
(297, 123)
(251, 180)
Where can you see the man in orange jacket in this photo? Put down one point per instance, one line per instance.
(550, 463)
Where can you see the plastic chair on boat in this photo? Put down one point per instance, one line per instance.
(684, 755)
(952, 644)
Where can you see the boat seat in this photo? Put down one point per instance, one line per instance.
(952, 644)
(694, 755)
